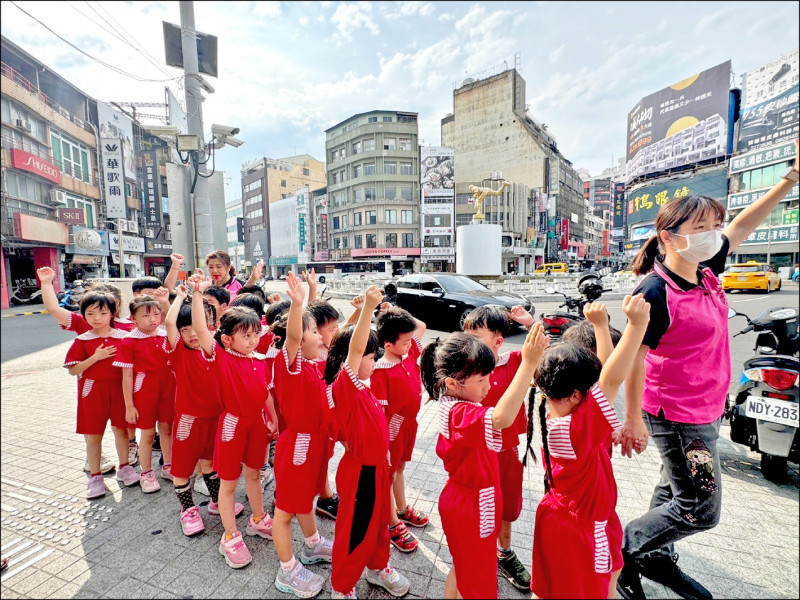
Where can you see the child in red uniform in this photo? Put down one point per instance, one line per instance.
(219, 298)
(456, 372)
(492, 324)
(577, 546)
(363, 476)
(148, 385)
(242, 430)
(301, 453)
(397, 385)
(100, 389)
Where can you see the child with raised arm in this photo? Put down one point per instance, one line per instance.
(577, 547)
(242, 432)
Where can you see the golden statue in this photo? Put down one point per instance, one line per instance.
(480, 194)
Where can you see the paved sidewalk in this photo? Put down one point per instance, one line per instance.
(127, 545)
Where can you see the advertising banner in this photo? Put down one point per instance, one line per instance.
(152, 188)
(177, 116)
(436, 172)
(769, 113)
(681, 124)
(619, 208)
(605, 243)
(644, 203)
(743, 199)
(781, 233)
(564, 234)
(761, 158)
(113, 177)
(130, 243)
(26, 161)
(71, 216)
(114, 124)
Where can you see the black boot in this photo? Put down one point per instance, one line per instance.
(664, 569)
(629, 584)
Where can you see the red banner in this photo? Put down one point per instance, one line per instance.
(71, 216)
(564, 234)
(32, 163)
(605, 243)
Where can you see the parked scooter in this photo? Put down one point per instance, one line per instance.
(71, 300)
(764, 413)
(25, 292)
(557, 322)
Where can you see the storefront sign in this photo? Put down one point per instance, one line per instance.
(438, 251)
(71, 216)
(321, 255)
(438, 230)
(645, 202)
(131, 243)
(743, 199)
(437, 209)
(35, 229)
(781, 233)
(360, 252)
(84, 240)
(564, 234)
(790, 217)
(25, 161)
(113, 177)
(85, 259)
(152, 188)
(761, 158)
(283, 261)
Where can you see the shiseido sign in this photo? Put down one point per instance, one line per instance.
(30, 162)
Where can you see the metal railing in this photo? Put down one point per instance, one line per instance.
(9, 141)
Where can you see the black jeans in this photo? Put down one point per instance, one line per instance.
(688, 497)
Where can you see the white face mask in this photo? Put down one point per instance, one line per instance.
(700, 246)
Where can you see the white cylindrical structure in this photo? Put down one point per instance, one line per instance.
(478, 249)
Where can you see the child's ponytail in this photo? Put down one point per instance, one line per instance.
(529, 437)
(548, 477)
(340, 348)
(427, 365)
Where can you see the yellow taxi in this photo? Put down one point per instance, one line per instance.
(558, 267)
(751, 275)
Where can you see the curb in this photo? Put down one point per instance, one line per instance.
(25, 314)
(532, 299)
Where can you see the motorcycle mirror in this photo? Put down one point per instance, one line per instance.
(731, 313)
(550, 289)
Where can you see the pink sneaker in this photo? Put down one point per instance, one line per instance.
(262, 529)
(149, 482)
(128, 476)
(97, 488)
(166, 472)
(213, 508)
(235, 552)
(191, 521)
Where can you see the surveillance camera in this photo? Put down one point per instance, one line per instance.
(159, 130)
(224, 130)
(232, 141)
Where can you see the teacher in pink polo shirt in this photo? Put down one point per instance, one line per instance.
(677, 389)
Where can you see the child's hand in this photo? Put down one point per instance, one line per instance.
(595, 313)
(161, 295)
(358, 302)
(201, 283)
(258, 270)
(103, 352)
(637, 309)
(181, 292)
(46, 275)
(384, 307)
(372, 298)
(521, 316)
(273, 298)
(295, 290)
(177, 259)
(535, 345)
(131, 414)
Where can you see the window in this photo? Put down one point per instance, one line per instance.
(335, 223)
(252, 200)
(357, 219)
(369, 145)
(26, 188)
(410, 282)
(283, 183)
(371, 240)
(370, 194)
(408, 240)
(372, 120)
(391, 240)
(344, 242)
(306, 172)
(358, 241)
(369, 168)
(357, 147)
(390, 192)
(15, 139)
(390, 168)
(407, 217)
(389, 143)
(12, 112)
(437, 220)
(405, 143)
(339, 198)
(391, 217)
(372, 217)
(259, 212)
(387, 119)
(429, 284)
(405, 168)
(357, 170)
(406, 193)
(344, 221)
(72, 157)
(359, 194)
(336, 243)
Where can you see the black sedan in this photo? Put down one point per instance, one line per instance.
(443, 300)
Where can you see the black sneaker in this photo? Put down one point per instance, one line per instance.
(629, 584)
(510, 567)
(328, 507)
(664, 569)
(156, 442)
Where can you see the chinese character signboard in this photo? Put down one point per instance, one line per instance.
(762, 158)
(679, 125)
(564, 234)
(782, 233)
(743, 199)
(152, 188)
(790, 217)
(619, 206)
(644, 202)
(113, 177)
(114, 124)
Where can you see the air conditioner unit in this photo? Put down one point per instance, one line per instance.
(133, 227)
(26, 125)
(58, 197)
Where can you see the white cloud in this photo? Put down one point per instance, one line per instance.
(349, 17)
(447, 17)
(303, 21)
(411, 9)
(266, 9)
(556, 54)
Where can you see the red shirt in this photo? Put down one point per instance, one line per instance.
(144, 353)
(468, 444)
(582, 473)
(196, 389)
(322, 360)
(84, 346)
(242, 382)
(301, 393)
(500, 378)
(398, 386)
(265, 340)
(359, 418)
(77, 323)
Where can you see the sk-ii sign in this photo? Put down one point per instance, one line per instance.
(113, 177)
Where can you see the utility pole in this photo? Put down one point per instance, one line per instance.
(202, 238)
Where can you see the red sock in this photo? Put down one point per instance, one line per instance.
(94, 474)
(123, 465)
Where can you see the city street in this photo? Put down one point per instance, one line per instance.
(130, 545)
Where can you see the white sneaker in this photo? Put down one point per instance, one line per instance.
(133, 453)
(200, 486)
(352, 594)
(390, 580)
(267, 476)
(106, 465)
(299, 581)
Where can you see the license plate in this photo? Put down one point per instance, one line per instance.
(742, 277)
(775, 411)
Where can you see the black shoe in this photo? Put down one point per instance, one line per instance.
(510, 567)
(329, 506)
(629, 584)
(664, 569)
(156, 442)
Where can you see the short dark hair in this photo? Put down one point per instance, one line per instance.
(102, 299)
(493, 318)
(393, 323)
(253, 301)
(582, 334)
(281, 322)
(185, 314)
(275, 310)
(459, 356)
(323, 312)
(143, 301)
(254, 289)
(108, 288)
(144, 283)
(340, 348)
(219, 293)
(238, 318)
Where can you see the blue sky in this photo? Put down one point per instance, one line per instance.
(290, 70)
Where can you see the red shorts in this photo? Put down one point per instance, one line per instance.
(510, 483)
(238, 441)
(192, 439)
(154, 398)
(471, 522)
(594, 549)
(301, 463)
(402, 446)
(100, 400)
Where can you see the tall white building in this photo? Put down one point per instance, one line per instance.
(233, 209)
